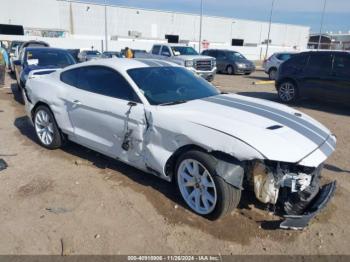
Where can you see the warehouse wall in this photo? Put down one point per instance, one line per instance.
(84, 24)
(30, 13)
(89, 20)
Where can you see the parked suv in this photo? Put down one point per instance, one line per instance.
(323, 75)
(186, 56)
(272, 64)
(231, 62)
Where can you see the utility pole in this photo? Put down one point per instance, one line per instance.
(321, 25)
(200, 27)
(106, 34)
(268, 36)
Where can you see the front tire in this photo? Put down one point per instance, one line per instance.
(206, 193)
(230, 70)
(287, 92)
(46, 128)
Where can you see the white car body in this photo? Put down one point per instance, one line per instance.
(274, 62)
(243, 127)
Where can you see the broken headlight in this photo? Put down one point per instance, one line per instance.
(271, 178)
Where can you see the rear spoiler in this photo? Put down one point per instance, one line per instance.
(40, 72)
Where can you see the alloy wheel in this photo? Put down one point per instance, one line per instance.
(44, 127)
(287, 92)
(197, 186)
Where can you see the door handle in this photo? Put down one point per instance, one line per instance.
(77, 102)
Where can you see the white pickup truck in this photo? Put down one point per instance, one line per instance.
(188, 57)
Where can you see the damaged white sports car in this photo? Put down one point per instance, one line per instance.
(163, 119)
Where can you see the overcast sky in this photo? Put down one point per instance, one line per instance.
(303, 12)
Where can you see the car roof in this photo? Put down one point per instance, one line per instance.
(286, 52)
(26, 44)
(124, 64)
(325, 52)
(42, 48)
(223, 50)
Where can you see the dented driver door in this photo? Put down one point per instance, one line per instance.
(106, 114)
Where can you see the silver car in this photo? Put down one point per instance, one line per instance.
(272, 64)
(88, 55)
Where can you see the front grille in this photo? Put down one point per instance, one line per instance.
(203, 65)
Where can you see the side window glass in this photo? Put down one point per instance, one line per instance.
(299, 61)
(283, 57)
(221, 55)
(165, 51)
(70, 77)
(156, 49)
(341, 65)
(105, 81)
(320, 63)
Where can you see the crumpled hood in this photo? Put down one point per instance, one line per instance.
(276, 131)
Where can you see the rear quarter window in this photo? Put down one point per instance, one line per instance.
(70, 77)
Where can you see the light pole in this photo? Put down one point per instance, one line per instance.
(233, 22)
(106, 35)
(200, 27)
(268, 35)
(321, 25)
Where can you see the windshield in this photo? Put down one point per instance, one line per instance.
(285, 56)
(162, 85)
(93, 53)
(236, 56)
(184, 50)
(55, 58)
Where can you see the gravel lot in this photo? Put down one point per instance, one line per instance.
(76, 201)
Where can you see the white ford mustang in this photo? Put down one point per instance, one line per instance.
(163, 119)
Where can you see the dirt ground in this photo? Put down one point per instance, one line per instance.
(76, 201)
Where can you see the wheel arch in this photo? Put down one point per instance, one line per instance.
(228, 167)
(40, 103)
(286, 79)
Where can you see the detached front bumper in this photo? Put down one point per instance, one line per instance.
(298, 222)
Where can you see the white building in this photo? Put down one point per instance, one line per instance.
(84, 23)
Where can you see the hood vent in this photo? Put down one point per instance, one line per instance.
(274, 127)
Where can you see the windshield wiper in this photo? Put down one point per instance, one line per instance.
(173, 103)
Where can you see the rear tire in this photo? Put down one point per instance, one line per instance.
(46, 128)
(194, 185)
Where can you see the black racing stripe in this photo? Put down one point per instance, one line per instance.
(163, 63)
(326, 149)
(297, 119)
(148, 62)
(279, 119)
(332, 142)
